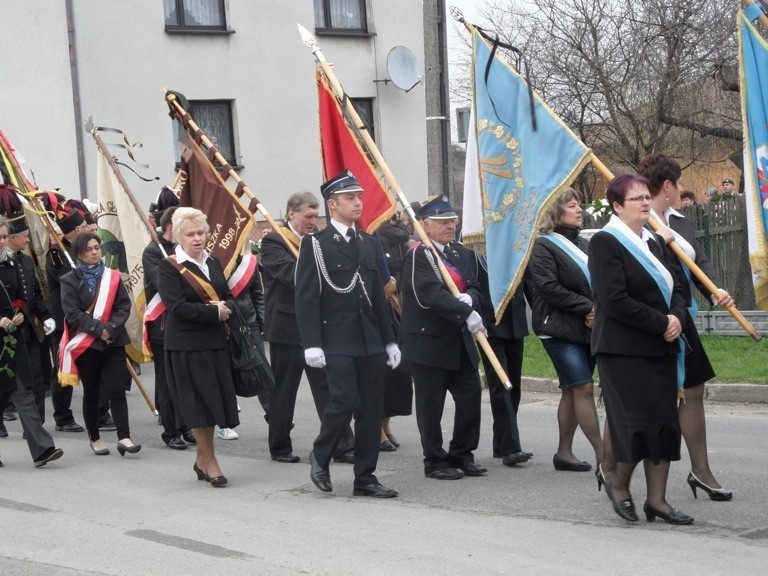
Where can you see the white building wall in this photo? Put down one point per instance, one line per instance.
(125, 58)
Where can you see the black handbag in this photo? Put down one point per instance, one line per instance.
(251, 372)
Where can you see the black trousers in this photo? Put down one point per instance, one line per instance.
(38, 438)
(287, 362)
(504, 403)
(173, 423)
(61, 396)
(431, 385)
(356, 385)
(104, 368)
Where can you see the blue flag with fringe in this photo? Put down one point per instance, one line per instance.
(753, 72)
(519, 168)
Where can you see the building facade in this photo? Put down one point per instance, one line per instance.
(241, 62)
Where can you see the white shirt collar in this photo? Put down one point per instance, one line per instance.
(439, 247)
(182, 256)
(342, 228)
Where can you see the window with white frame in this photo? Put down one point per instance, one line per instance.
(194, 15)
(340, 16)
(216, 119)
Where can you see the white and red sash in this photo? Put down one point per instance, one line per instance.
(154, 309)
(242, 275)
(71, 349)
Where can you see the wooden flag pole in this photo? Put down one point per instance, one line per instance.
(242, 188)
(692, 266)
(391, 184)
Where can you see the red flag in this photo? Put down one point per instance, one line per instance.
(341, 151)
(230, 221)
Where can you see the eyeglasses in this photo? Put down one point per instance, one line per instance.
(4, 236)
(641, 198)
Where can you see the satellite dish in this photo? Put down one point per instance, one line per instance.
(401, 65)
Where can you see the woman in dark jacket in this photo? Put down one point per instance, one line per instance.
(665, 174)
(558, 290)
(96, 307)
(639, 315)
(15, 370)
(195, 293)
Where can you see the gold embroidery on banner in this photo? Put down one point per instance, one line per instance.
(507, 165)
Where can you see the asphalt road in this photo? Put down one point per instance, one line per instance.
(148, 514)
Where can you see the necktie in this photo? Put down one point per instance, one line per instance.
(448, 255)
(352, 240)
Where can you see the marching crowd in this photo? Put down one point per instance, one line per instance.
(370, 321)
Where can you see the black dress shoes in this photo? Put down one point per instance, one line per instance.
(3, 431)
(49, 455)
(564, 465)
(71, 427)
(472, 469)
(387, 446)
(346, 458)
(318, 475)
(289, 458)
(674, 516)
(625, 508)
(393, 440)
(189, 437)
(176, 443)
(445, 474)
(515, 458)
(107, 424)
(374, 491)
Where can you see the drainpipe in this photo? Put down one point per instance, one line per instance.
(76, 103)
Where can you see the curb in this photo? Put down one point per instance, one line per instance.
(714, 391)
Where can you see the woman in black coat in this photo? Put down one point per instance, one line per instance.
(85, 295)
(664, 174)
(639, 315)
(558, 290)
(195, 293)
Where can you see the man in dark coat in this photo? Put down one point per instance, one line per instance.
(286, 353)
(343, 322)
(436, 334)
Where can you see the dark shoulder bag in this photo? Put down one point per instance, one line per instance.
(251, 372)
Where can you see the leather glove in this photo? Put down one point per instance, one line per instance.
(49, 326)
(475, 323)
(314, 357)
(466, 298)
(393, 355)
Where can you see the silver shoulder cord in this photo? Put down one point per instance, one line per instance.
(431, 260)
(323, 271)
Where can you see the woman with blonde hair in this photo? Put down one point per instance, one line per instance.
(557, 285)
(195, 293)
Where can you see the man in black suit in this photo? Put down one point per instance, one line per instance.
(343, 322)
(286, 354)
(437, 339)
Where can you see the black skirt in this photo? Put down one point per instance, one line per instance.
(200, 383)
(698, 368)
(641, 406)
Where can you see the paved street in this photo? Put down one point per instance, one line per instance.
(148, 514)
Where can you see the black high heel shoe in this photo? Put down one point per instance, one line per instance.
(600, 477)
(564, 465)
(674, 516)
(122, 448)
(626, 508)
(716, 494)
(216, 481)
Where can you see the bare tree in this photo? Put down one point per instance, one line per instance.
(631, 77)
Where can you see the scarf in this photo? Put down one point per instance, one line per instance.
(92, 273)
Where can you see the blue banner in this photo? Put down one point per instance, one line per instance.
(519, 169)
(753, 71)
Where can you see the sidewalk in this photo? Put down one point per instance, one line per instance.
(715, 391)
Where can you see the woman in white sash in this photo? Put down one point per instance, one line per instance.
(639, 315)
(96, 307)
(664, 174)
(557, 285)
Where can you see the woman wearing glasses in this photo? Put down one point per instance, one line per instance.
(96, 306)
(639, 315)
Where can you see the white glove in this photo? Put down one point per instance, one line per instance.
(475, 323)
(393, 355)
(49, 326)
(466, 298)
(315, 357)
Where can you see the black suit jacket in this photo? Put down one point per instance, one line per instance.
(342, 324)
(432, 329)
(279, 266)
(684, 227)
(514, 323)
(56, 265)
(35, 306)
(192, 324)
(630, 310)
(150, 259)
(75, 299)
